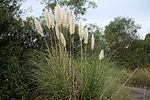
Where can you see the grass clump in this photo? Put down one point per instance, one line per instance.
(86, 80)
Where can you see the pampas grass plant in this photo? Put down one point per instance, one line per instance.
(59, 76)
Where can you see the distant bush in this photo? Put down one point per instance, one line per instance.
(138, 55)
(141, 78)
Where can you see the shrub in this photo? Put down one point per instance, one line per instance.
(13, 81)
(141, 78)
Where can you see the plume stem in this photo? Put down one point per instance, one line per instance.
(48, 49)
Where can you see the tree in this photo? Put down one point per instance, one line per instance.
(13, 52)
(119, 34)
(135, 55)
(147, 37)
(8, 13)
(147, 48)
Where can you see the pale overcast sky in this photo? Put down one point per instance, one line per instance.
(106, 11)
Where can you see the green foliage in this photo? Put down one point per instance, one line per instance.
(124, 45)
(8, 13)
(122, 29)
(119, 35)
(85, 78)
(137, 55)
(16, 45)
(147, 37)
(13, 81)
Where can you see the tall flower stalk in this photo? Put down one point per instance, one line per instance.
(40, 31)
(85, 37)
(49, 21)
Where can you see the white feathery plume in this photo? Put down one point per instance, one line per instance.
(72, 23)
(60, 36)
(67, 17)
(47, 18)
(62, 17)
(57, 32)
(57, 14)
(85, 36)
(52, 18)
(70, 27)
(38, 27)
(80, 30)
(92, 42)
(101, 55)
(62, 39)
